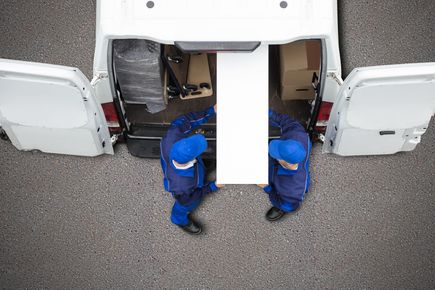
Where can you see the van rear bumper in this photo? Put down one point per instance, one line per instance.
(150, 148)
(144, 141)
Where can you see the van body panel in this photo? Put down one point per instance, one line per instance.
(52, 109)
(382, 110)
(262, 21)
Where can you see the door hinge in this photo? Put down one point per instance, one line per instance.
(98, 77)
(334, 76)
(316, 137)
(114, 139)
(322, 138)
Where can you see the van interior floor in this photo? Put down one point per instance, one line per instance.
(138, 115)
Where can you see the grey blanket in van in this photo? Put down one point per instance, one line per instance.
(139, 71)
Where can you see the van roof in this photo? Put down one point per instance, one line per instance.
(211, 20)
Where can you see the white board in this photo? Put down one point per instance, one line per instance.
(242, 117)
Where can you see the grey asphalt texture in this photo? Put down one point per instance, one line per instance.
(71, 222)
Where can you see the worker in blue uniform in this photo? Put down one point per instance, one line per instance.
(183, 168)
(289, 176)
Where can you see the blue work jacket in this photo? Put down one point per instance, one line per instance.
(186, 185)
(289, 185)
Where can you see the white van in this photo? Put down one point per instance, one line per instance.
(154, 62)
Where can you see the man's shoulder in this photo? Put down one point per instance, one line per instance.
(171, 137)
(298, 134)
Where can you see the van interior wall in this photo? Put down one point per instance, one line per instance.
(138, 114)
(298, 109)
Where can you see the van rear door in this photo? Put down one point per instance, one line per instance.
(382, 110)
(52, 109)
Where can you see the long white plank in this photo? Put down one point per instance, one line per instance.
(242, 117)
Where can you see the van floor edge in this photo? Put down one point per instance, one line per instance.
(137, 114)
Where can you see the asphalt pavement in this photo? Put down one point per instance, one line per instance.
(73, 222)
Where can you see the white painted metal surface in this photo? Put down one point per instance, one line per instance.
(101, 85)
(382, 110)
(242, 117)
(211, 20)
(52, 109)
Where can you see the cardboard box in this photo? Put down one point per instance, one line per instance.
(298, 56)
(298, 62)
(300, 77)
(297, 93)
(300, 88)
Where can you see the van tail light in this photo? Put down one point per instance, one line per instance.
(322, 119)
(111, 117)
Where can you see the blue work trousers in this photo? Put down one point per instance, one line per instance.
(283, 205)
(180, 213)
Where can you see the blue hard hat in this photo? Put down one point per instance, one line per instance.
(290, 151)
(188, 148)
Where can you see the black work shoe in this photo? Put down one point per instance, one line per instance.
(274, 214)
(192, 228)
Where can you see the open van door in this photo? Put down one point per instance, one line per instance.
(52, 109)
(382, 110)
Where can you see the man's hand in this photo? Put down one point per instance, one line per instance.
(262, 185)
(215, 108)
(219, 185)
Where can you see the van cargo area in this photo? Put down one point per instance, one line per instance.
(155, 83)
